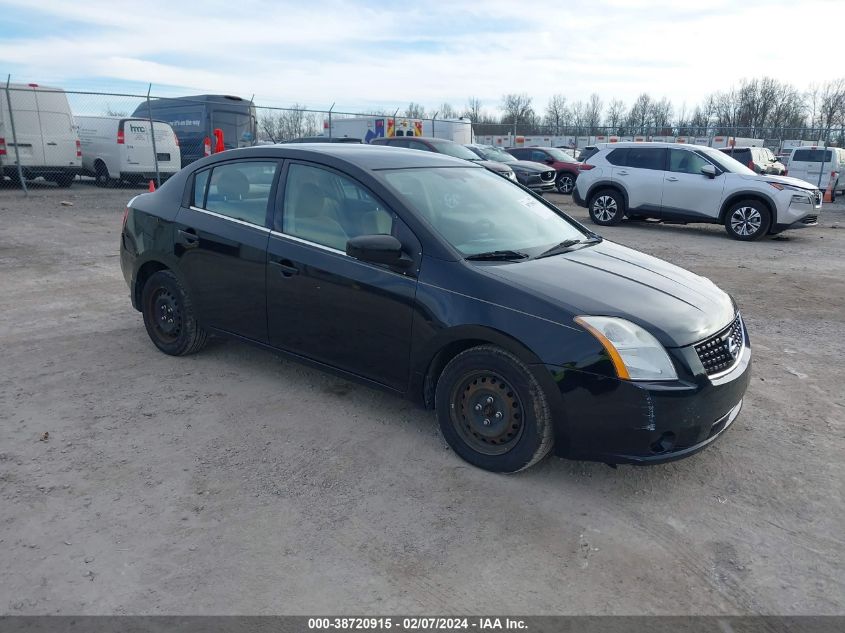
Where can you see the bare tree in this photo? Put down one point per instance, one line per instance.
(114, 112)
(832, 106)
(415, 111)
(661, 116)
(640, 114)
(594, 111)
(447, 111)
(517, 108)
(283, 125)
(557, 114)
(615, 115)
(579, 117)
(473, 110)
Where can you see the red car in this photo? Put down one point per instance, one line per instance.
(565, 166)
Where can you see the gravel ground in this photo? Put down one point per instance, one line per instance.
(234, 482)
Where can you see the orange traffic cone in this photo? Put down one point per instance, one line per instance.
(152, 186)
(828, 194)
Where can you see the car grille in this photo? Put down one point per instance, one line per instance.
(721, 352)
(548, 176)
(810, 219)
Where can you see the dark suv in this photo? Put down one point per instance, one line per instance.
(761, 160)
(565, 166)
(445, 146)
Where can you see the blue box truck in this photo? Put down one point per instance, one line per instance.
(195, 118)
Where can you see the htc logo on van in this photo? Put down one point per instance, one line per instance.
(137, 128)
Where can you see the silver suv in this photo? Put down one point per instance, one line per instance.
(682, 183)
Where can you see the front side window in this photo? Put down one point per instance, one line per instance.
(685, 162)
(477, 211)
(239, 190)
(538, 156)
(326, 208)
(647, 158)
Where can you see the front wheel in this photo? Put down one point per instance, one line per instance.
(565, 183)
(169, 316)
(747, 220)
(606, 207)
(492, 411)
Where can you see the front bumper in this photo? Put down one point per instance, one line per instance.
(577, 199)
(618, 421)
(799, 214)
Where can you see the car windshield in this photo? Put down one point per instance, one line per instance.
(499, 155)
(560, 155)
(454, 149)
(477, 211)
(725, 162)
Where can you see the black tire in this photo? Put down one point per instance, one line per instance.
(747, 220)
(14, 179)
(607, 207)
(518, 433)
(101, 175)
(565, 183)
(64, 180)
(833, 192)
(169, 316)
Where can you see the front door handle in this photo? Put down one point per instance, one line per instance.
(622, 173)
(286, 267)
(189, 237)
(52, 143)
(672, 179)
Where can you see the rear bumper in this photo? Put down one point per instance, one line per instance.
(46, 172)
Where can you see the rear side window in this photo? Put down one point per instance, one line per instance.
(200, 186)
(618, 156)
(241, 190)
(520, 153)
(646, 158)
(812, 155)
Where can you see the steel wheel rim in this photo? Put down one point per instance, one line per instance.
(165, 315)
(565, 184)
(746, 221)
(605, 208)
(485, 396)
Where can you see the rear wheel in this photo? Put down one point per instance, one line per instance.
(64, 180)
(565, 183)
(747, 220)
(101, 175)
(492, 411)
(169, 316)
(607, 207)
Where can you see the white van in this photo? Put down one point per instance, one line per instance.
(817, 165)
(121, 148)
(47, 142)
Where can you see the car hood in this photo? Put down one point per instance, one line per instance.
(784, 180)
(492, 165)
(529, 166)
(678, 307)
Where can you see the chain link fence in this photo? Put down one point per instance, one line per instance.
(49, 135)
(55, 137)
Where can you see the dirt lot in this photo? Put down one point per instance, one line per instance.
(234, 482)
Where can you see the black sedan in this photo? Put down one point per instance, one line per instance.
(536, 176)
(437, 280)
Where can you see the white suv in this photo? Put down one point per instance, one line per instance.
(682, 183)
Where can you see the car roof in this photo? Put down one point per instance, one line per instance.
(372, 157)
(738, 147)
(648, 144)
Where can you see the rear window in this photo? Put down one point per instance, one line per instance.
(812, 155)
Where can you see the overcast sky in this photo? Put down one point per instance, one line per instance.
(365, 55)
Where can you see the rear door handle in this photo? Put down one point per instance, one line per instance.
(52, 143)
(672, 179)
(286, 267)
(622, 173)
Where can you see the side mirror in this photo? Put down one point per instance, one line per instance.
(550, 161)
(378, 249)
(708, 170)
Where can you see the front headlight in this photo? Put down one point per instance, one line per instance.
(636, 354)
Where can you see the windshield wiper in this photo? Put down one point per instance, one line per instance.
(491, 256)
(567, 245)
